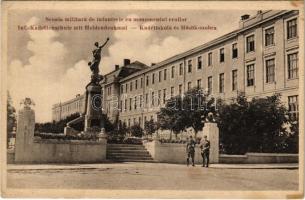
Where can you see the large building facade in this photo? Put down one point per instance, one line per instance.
(258, 59)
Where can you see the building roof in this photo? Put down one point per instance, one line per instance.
(247, 24)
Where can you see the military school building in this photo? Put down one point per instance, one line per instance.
(260, 58)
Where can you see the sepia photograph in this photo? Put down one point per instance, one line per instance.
(142, 99)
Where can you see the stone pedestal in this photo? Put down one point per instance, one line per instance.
(102, 135)
(93, 115)
(212, 132)
(25, 134)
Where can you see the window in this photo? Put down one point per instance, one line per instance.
(153, 78)
(270, 65)
(189, 85)
(141, 99)
(180, 89)
(293, 66)
(210, 84)
(173, 71)
(234, 50)
(121, 106)
(126, 87)
(136, 84)
(222, 55)
(293, 107)
(189, 66)
(172, 91)
(181, 69)
(221, 82)
(199, 83)
(135, 102)
(130, 88)
(269, 36)
(250, 75)
(159, 97)
(141, 83)
(128, 122)
(122, 89)
(160, 72)
(165, 70)
(109, 90)
(210, 62)
(152, 98)
(147, 80)
(234, 79)
(146, 98)
(199, 62)
(250, 43)
(140, 121)
(164, 96)
(130, 101)
(125, 104)
(291, 28)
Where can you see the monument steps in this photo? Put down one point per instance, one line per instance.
(139, 153)
(127, 153)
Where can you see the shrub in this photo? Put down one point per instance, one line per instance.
(136, 130)
(254, 126)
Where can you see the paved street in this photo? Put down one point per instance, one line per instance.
(152, 176)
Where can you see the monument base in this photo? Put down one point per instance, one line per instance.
(212, 132)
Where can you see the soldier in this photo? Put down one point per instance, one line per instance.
(190, 149)
(205, 151)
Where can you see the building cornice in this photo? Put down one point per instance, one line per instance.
(210, 44)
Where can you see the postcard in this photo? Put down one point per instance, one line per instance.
(152, 99)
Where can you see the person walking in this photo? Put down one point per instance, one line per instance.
(205, 151)
(190, 149)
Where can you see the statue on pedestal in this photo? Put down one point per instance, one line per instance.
(94, 65)
(27, 102)
(92, 115)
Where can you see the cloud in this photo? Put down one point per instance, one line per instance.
(44, 78)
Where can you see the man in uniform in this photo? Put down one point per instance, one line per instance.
(205, 151)
(190, 149)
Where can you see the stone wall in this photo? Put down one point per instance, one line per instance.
(259, 158)
(173, 153)
(56, 151)
(35, 150)
(176, 153)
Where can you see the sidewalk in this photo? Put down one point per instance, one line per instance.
(103, 165)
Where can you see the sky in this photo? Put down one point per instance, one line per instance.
(51, 66)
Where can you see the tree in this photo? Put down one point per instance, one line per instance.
(254, 126)
(11, 117)
(136, 130)
(150, 127)
(170, 117)
(189, 110)
(196, 107)
(108, 124)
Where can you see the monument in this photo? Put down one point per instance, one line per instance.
(211, 130)
(25, 131)
(92, 116)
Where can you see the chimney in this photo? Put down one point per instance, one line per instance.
(126, 62)
(117, 67)
(152, 64)
(243, 18)
(259, 15)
